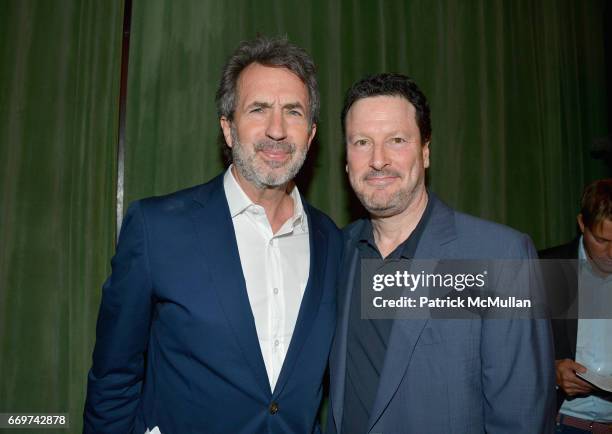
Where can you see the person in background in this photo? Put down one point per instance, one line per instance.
(585, 344)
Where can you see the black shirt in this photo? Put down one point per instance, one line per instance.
(368, 338)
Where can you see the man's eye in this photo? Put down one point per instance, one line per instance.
(295, 113)
(361, 142)
(256, 110)
(397, 140)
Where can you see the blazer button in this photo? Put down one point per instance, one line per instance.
(273, 408)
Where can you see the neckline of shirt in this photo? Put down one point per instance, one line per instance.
(239, 202)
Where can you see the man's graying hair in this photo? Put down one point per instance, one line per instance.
(276, 52)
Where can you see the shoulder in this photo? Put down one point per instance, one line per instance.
(491, 239)
(180, 201)
(322, 222)
(469, 225)
(171, 201)
(353, 229)
(563, 251)
(475, 237)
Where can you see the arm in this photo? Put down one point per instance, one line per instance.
(122, 331)
(517, 369)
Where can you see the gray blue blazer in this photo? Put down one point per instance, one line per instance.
(453, 375)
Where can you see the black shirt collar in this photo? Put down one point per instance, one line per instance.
(406, 250)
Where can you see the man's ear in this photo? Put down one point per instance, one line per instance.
(425, 151)
(580, 222)
(226, 127)
(313, 131)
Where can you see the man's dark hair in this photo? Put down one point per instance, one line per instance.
(390, 84)
(597, 203)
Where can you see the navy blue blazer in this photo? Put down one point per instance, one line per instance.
(176, 344)
(453, 375)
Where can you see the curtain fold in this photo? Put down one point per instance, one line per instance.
(59, 71)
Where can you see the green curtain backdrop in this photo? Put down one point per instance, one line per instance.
(59, 70)
(517, 90)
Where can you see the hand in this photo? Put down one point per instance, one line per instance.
(568, 380)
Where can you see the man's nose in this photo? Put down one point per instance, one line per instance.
(276, 128)
(380, 159)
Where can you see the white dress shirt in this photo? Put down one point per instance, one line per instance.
(275, 268)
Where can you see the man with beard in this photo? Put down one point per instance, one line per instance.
(219, 312)
(397, 376)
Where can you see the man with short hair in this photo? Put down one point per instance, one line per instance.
(585, 344)
(219, 312)
(395, 376)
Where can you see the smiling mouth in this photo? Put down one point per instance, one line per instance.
(381, 181)
(275, 154)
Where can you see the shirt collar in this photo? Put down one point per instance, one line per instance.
(586, 261)
(581, 251)
(237, 199)
(239, 202)
(406, 248)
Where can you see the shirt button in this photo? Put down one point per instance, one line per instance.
(276, 343)
(273, 408)
(275, 290)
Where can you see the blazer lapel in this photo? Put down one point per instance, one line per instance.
(310, 301)
(338, 352)
(404, 336)
(440, 230)
(219, 248)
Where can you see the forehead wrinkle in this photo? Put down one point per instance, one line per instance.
(292, 105)
(270, 84)
(274, 103)
(260, 104)
(405, 113)
(382, 116)
(378, 127)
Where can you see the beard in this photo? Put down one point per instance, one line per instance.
(381, 204)
(266, 174)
